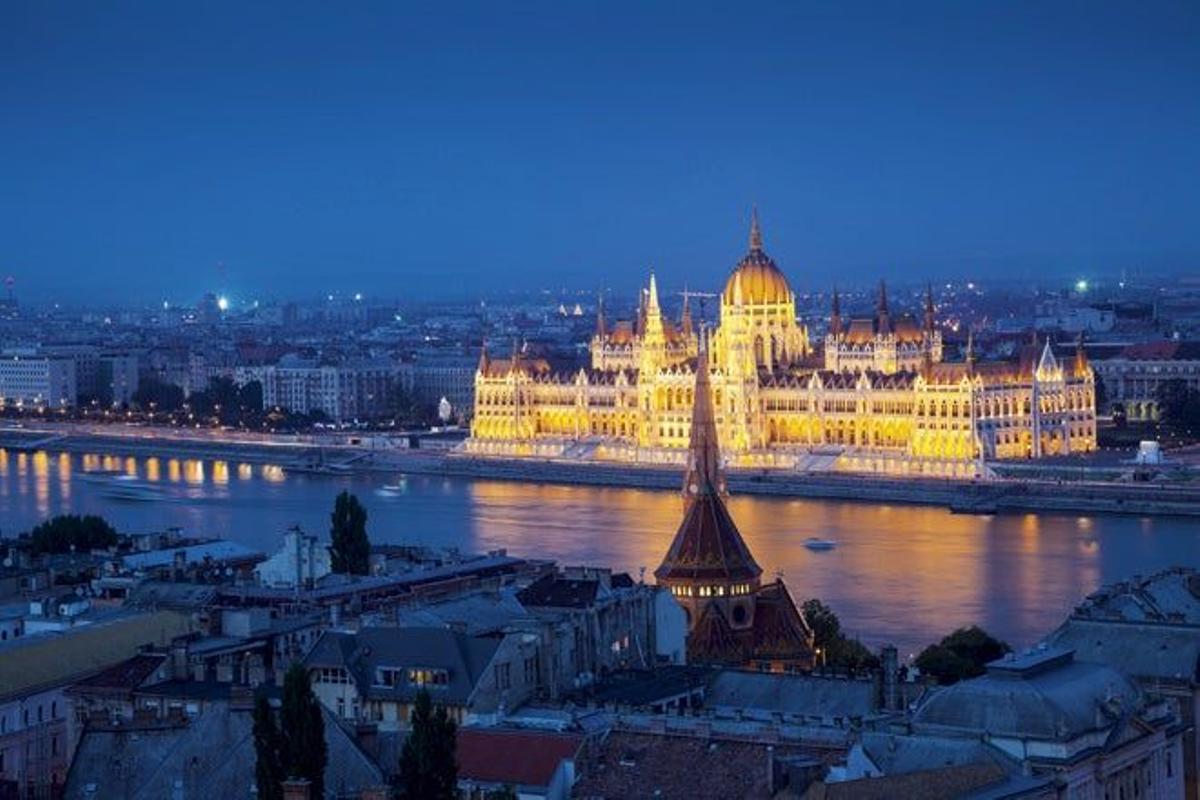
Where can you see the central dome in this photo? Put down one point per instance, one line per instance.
(762, 282)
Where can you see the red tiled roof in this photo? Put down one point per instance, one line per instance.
(513, 758)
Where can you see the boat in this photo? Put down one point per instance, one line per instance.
(390, 490)
(817, 543)
(129, 487)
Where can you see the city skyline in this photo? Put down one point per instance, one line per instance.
(433, 153)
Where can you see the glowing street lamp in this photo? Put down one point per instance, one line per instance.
(223, 303)
(1081, 285)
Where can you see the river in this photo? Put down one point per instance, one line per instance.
(905, 574)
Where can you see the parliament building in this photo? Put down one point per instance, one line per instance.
(875, 396)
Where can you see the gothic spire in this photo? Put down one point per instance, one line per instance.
(835, 319)
(929, 320)
(970, 357)
(483, 357)
(685, 316)
(704, 473)
(1081, 359)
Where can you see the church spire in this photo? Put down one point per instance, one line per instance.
(835, 318)
(483, 357)
(929, 320)
(756, 239)
(1081, 359)
(652, 305)
(882, 314)
(704, 474)
(685, 316)
(970, 356)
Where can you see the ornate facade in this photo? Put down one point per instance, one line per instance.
(878, 398)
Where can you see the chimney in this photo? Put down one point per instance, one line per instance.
(297, 789)
(889, 663)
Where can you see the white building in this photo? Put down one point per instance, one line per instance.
(37, 380)
(302, 560)
(359, 390)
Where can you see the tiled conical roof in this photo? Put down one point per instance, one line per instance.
(707, 546)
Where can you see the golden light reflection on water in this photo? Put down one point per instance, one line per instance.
(64, 476)
(220, 472)
(173, 470)
(41, 481)
(273, 474)
(153, 470)
(131, 466)
(193, 471)
(245, 472)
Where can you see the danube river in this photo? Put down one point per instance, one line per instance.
(906, 574)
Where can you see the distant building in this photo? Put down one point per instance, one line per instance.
(450, 375)
(1134, 376)
(302, 560)
(37, 380)
(357, 390)
(879, 399)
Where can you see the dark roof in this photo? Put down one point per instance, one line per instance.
(708, 546)
(559, 592)
(513, 757)
(947, 783)
(778, 632)
(211, 753)
(123, 677)
(463, 657)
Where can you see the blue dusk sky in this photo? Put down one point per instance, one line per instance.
(448, 149)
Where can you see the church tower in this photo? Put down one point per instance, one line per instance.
(708, 562)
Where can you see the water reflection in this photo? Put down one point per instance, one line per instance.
(907, 574)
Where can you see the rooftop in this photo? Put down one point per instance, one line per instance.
(513, 757)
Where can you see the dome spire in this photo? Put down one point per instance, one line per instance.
(756, 239)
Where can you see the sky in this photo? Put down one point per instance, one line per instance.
(155, 150)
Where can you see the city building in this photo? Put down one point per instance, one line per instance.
(437, 375)
(37, 380)
(1084, 725)
(354, 390)
(1149, 629)
(1133, 377)
(880, 398)
(373, 675)
(733, 618)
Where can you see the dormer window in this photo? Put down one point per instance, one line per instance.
(421, 676)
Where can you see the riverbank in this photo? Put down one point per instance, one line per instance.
(977, 497)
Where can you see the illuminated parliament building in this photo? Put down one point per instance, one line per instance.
(874, 396)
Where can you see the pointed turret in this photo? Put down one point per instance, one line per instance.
(835, 318)
(970, 355)
(885, 323)
(929, 320)
(652, 303)
(1047, 368)
(704, 473)
(1081, 359)
(483, 358)
(756, 238)
(708, 550)
(685, 316)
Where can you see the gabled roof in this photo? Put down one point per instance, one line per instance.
(465, 658)
(557, 591)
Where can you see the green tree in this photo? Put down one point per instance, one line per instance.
(963, 654)
(825, 625)
(268, 765)
(1179, 407)
(351, 549)
(428, 769)
(63, 533)
(303, 752)
(835, 649)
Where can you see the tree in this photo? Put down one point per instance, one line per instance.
(825, 625)
(303, 752)
(68, 532)
(1179, 407)
(162, 396)
(963, 654)
(835, 649)
(428, 768)
(268, 765)
(351, 549)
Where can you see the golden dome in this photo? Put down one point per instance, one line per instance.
(762, 282)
